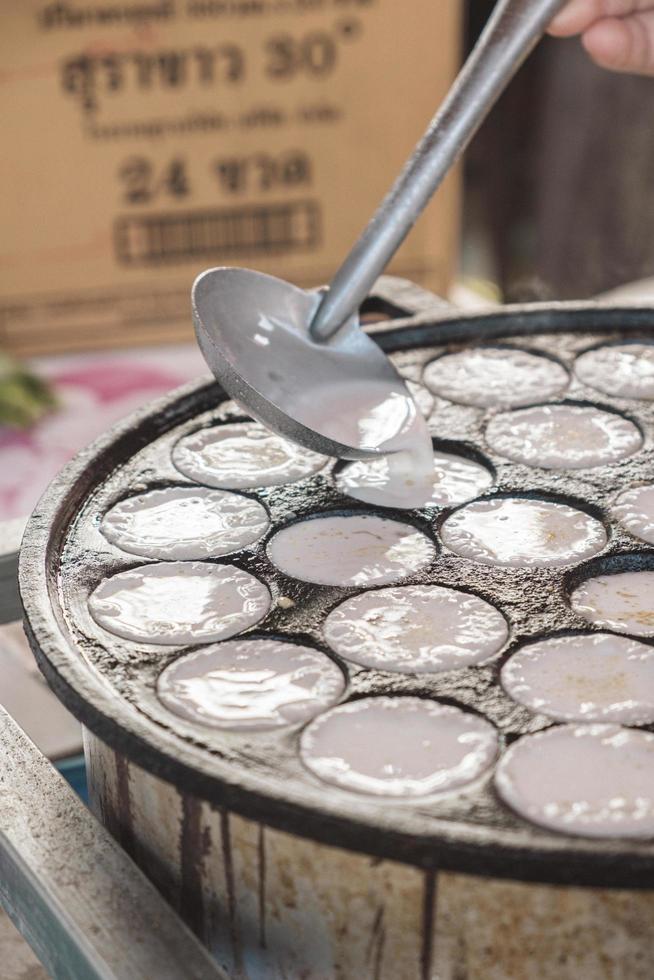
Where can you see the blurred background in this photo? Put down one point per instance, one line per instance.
(559, 198)
(145, 142)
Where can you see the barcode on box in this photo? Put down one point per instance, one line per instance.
(157, 239)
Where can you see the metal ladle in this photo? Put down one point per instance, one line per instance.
(283, 352)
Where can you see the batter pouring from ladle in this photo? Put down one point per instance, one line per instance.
(297, 360)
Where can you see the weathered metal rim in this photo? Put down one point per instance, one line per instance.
(622, 864)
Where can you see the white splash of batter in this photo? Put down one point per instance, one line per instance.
(455, 480)
(389, 424)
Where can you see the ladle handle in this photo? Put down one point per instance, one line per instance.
(513, 30)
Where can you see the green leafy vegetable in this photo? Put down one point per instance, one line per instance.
(24, 398)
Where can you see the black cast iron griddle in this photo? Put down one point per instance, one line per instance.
(108, 683)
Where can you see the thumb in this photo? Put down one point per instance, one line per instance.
(578, 15)
(623, 44)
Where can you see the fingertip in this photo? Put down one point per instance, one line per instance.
(574, 18)
(560, 27)
(558, 30)
(607, 43)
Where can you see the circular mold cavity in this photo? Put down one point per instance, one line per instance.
(489, 377)
(416, 629)
(621, 601)
(181, 523)
(621, 370)
(522, 532)
(257, 684)
(243, 455)
(350, 550)
(398, 747)
(591, 677)
(456, 480)
(634, 509)
(587, 780)
(423, 398)
(179, 603)
(557, 437)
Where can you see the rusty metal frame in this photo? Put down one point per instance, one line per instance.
(80, 902)
(83, 906)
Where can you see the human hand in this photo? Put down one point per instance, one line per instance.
(617, 34)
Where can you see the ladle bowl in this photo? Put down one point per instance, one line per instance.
(340, 397)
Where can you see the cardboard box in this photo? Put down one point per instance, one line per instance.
(146, 140)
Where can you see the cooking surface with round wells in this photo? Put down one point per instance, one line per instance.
(259, 770)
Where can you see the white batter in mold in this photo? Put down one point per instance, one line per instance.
(416, 629)
(558, 437)
(621, 370)
(456, 480)
(179, 523)
(398, 747)
(521, 532)
(588, 780)
(254, 684)
(350, 550)
(623, 602)
(178, 603)
(594, 677)
(634, 509)
(488, 377)
(423, 398)
(242, 455)
(245, 454)
(390, 426)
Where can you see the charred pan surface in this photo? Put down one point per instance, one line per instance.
(108, 683)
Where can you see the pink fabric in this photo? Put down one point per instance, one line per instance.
(94, 390)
